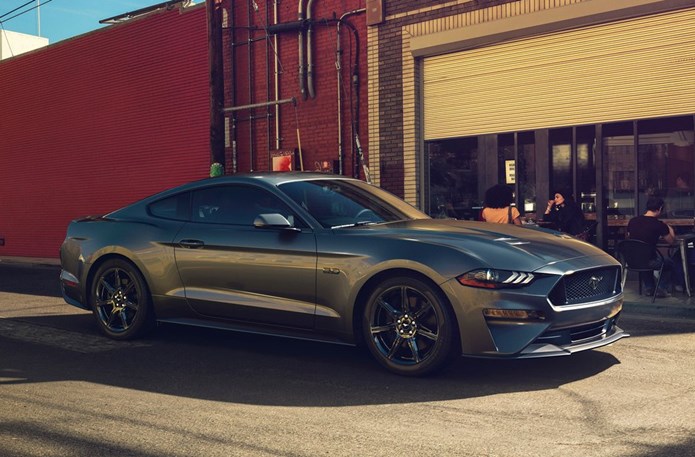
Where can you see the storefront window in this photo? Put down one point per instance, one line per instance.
(506, 165)
(561, 160)
(665, 164)
(619, 153)
(570, 148)
(453, 178)
(640, 159)
(526, 172)
(586, 168)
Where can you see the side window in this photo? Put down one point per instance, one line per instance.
(176, 207)
(237, 205)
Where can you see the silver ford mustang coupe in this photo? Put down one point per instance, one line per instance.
(331, 258)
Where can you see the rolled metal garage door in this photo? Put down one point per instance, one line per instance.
(632, 69)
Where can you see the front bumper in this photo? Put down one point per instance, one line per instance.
(576, 339)
(556, 330)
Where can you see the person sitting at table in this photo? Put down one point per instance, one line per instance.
(650, 229)
(498, 206)
(565, 215)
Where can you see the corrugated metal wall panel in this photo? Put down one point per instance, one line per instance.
(95, 122)
(625, 70)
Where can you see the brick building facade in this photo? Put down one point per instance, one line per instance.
(95, 122)
(592, 97)
(261, 60)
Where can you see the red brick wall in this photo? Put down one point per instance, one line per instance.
(90, 124)
(315, 118)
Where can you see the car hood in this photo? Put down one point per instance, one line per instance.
(527, 247)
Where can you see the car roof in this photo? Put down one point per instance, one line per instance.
(268, 178)
(277, 177)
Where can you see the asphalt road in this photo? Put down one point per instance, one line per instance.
(67, 391)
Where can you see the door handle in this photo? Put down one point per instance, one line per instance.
(191, 244)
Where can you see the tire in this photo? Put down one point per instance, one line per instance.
(409, 327)
(121, 301)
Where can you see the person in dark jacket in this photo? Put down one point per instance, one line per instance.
(565, 215)
(651, 230)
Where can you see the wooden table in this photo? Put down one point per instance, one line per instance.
(622, 222)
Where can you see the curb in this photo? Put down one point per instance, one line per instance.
(29, 261)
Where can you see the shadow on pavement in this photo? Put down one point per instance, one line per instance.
(30, 279)
(262, 370)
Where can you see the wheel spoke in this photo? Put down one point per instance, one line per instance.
(106, 285)
(124, 318)
(131, 305)
(382, 328)
(412, 344)
(111, 318)
(427, 333)
(104, 303)
(129, 288)
(424, 309)
(394, 348)
(405, 305)
(389, 309)
(117, 278)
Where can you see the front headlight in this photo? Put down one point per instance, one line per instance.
(495, 279)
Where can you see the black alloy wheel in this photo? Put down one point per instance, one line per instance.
(409, 327)
(120, 300)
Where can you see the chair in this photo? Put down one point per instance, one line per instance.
(639, 256)
(588, 233)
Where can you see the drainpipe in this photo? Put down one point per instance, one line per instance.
(249, 44)
(355, 81)
(233, 120)
(338, 55)
(300, 39)
(309, 54)
(277, 78)
(214, 18)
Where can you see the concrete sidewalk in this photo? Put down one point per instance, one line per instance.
(678, 305)
(30, 260)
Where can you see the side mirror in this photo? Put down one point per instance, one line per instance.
(274, 220)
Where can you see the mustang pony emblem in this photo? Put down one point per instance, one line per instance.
(594, 280)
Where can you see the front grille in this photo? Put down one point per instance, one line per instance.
(586, 286)
(579, 334)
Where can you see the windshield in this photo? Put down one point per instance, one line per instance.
(337, 203)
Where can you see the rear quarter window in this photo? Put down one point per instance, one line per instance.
(176, 207)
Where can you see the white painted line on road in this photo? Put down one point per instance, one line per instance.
(62, 339)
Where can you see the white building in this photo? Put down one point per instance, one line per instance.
(15, 43)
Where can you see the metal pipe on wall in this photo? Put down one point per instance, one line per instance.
(309, 54)
(250, 80)
(338, 64)
(251, 106)
(214, 18)
(338, 67)
(267, 89)
(233, 120)
(277, 78)
(300, 40)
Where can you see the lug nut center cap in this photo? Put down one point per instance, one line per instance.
(406, 327)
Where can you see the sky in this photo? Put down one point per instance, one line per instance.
(61, 19)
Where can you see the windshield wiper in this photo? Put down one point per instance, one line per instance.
(354, 224)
